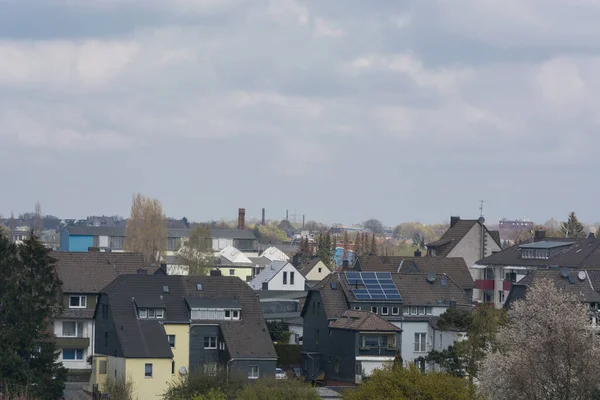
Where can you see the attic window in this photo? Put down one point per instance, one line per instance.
(151, 313)
(198, 286)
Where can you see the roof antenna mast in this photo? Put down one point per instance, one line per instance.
(481, 202)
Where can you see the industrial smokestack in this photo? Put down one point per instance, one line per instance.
(263, 217)
(287, 215)
(242, 218)
(302, 221)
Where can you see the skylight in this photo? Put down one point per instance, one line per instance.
(198, 286)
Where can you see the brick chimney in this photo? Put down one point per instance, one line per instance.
(539, 235)
(263, 221)
(242, 219)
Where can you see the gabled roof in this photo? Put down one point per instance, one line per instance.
(363, 321)
(234, 256)
(455, 234)
(305, 268)
(267, 274)
(455, 267)
(274, 254)
(147, 338)
(89, 272)
(334, 300)
(262, 261)
(171, 232)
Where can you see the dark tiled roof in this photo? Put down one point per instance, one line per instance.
(363, 321)
(496, 236)
(583, 253)
(455, 234)
(147, 338)
(96, 230)
(305, 268)
(89, 272)
(454, 267)
(582, 288)
(334, 300)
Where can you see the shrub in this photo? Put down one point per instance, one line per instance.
(271, 389)
(201, 384)
(119, 388)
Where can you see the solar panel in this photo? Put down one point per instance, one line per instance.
(374, 285)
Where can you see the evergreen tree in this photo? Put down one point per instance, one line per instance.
(345, 240)
(373, 245)
(358, 245)
(29, 298)
(366, 244)
(333, 252)
(572, 228)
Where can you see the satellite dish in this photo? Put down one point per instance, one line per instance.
(582, 275)
(431, 277)
(183, 371)
(564, 272)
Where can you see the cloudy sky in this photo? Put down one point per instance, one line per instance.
(340, 110)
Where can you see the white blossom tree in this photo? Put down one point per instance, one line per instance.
(548, 350)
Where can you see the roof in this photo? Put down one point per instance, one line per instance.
(147, 338)
(274, 254)
(171, 232)
(455, 267)
(545, 244)
(267, 274)
(582, 253)
(334, 300)
(96, 230)
(363, 321)
(582, 288)
(281, 294)
(89, 272)
(233, 255)
(305, 268)
(455, 234)
(232, 233)
(260, 261)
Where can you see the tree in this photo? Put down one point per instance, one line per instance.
(366, 244)
(279, 331)
(346, 240)
(374, 225)
(197, 252)
(29, 289)
(552, 228)
(547, 350)
(38, 223)
(271, 233)
(480, 328)
(324, 250)
(146, 230)
(358, 249)
(373, 245)
(572, 228)
(397, 382)
(270, 389)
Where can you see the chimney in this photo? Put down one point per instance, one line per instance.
(453, 221)
(302, 221)
(287, 215)
(242, 219)
(265, 286)
(345, 265)
(417, 253)
(295, 260)
(215, 272)
(539, 235)
(263, 217)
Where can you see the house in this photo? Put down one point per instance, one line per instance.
(259, 263)
(454, 267)
(279, 275)
(83, 275)
(284, 306)
(157, 329)
(233, 262)
(411, 302)
(274, 254)
(314, 270)
(501, 270)
(582, 283)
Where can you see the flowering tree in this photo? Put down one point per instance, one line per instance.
(548, 350)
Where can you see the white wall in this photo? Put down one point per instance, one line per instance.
(469, 248)
(220, 243)
(103, 241)
(116, 367)
(315, 275)
(88, 332)
(368, 365)
(276, 283)
(296, 330)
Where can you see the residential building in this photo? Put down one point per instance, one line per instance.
(83, 275)
(510, 229)
(274, 254)
(279, 275)
(314, 270)
(411, 302)
(499, 271)
(157, 329)
(233, 262)
(454, 267)
(285, 306)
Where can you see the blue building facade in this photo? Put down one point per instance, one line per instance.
(339, 256)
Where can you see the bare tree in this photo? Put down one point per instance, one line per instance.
(548, 350)
(197, 252)
(146, 230)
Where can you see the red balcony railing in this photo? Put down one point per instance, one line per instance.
(484, 284)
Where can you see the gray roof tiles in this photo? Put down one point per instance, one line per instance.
(267, 274)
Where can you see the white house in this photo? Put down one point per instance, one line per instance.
(274, 254)
(280, 275)
(314, 270)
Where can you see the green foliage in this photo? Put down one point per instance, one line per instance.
(480, 326)
(410, 384)
(374, 225)
(288, 354)
(279, 331)
(358, 249)
(325, 249)
(572, 228)
(200, 384)
(373, 245)
(271, 389)
(270, 233)
(197, 252)
(346, 242)
(29, 290)
(213, 394)
(119, 388)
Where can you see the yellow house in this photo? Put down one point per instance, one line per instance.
(314, 270)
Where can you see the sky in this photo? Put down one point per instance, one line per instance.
(341, 111)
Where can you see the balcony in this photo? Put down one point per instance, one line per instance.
(388, 351)
(484, 284)
(72, 342)
(506, 285)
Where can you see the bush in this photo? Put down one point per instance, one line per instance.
(119, 389)
(271, 389)
(201, 384)
(288, 354)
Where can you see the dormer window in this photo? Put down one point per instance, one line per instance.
(77, 301)
(151, 313)
(215, 314)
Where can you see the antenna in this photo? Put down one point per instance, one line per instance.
(481, 202)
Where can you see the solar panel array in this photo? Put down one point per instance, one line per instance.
(374, 285)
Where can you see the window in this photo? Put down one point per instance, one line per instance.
(374, 310)
(148, 370)
(284, 278)
(105, 339)
(291, 278)
(320, 269)
(232, 272)
(488, 274)
(116, 242)
(235, 314)
(357, 308)
(413, 310)
(227, 314)
(253, 372)
(173, 367)
(151, 313)
(317, 337)
(210, 342)
(406, 310)
(72, 329)
(501, 296)
(368, 341)
(429, 310)
(104, 311)
(421, 311)
(420, 342)
(337, 365)
(395, 310)
(173, 243)
(143, 313)
(77, 301)
(160, 313)
(72, 354)
(102, 367)
(384, 310)
(171, 339)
